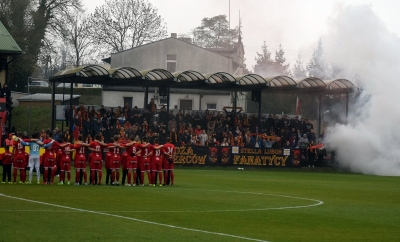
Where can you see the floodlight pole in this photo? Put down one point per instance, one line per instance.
(62, 123)
(319, 116)
(167, 124)
(53, 107)
(71, 121)
(347, 107)
(234, 103)
(259, 115)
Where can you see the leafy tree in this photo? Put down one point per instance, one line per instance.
(298, 71)
(28, 21)
(122, 24)
(215, 33)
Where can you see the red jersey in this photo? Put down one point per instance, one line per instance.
(169, 149)
(96, 146)
(7, 158)
(66, 152)
(80, 149)
(133, 148)
(158, 153)
(115, 151)
(18, 147)
(145, 151)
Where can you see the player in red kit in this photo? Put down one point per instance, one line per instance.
(19, 160)
(49, 160)
(80, 160)
(115, 160)
(129, 160)
(107, 165)
(95, 158)
(168, 163)
(65, 161)
(156, 162)
(146, 151)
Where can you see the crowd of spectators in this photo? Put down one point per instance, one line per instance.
(208, 128)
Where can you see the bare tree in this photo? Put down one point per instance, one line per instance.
(51, 54)
(118, 25)
(76, 32)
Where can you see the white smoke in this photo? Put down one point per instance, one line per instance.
(360, 42)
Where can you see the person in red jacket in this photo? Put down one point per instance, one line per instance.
(7, 164)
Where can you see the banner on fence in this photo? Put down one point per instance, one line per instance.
(233, 156)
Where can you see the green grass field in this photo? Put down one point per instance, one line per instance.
(209, 205)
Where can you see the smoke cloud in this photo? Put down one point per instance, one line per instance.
(360, 43)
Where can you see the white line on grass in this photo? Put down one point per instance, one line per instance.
(134, 219)
(318, 203)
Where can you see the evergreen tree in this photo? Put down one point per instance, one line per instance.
(317, 66)
(280, 59)
(298, 71)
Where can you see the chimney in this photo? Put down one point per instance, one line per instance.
(189, 40)
(174, 35)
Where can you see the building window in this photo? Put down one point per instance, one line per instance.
(211, 106)
(163, 101)
(171, 63)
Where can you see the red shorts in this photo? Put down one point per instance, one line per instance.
(26, 157)
(19, 161)
(132, 164)
(144, 164)
(156, 166)
(80, 162)
(167, 166)
(95, 161)
(49, 161)
(115, 162)
(65, 165)
(129, 162)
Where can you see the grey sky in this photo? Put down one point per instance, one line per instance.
(296, 24)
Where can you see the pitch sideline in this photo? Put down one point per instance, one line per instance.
(134, 219)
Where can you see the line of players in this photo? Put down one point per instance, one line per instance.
(143, 156)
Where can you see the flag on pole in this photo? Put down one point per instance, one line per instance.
(298, 108)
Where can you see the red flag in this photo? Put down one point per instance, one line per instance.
(298, 108)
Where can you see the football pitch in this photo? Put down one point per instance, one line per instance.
(209, 205)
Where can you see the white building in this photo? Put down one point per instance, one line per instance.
(176, 55)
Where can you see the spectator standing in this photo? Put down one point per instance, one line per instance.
(203, 138)
(163, 116)
(152, 107)
(311, 136)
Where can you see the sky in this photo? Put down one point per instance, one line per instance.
(295, 24)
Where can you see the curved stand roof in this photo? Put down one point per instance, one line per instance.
(129, 76)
